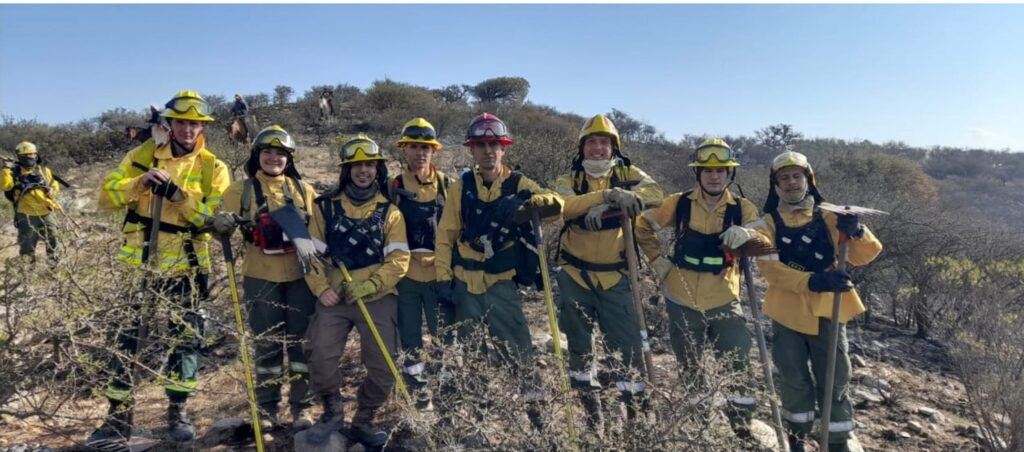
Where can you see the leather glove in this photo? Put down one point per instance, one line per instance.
(850, 225)
(626, 201)
(830, 281)
(357, 290)
(593, 218)
(443, 289)
(662, 266)
(170, 191)
(225, 222)
(734, 237)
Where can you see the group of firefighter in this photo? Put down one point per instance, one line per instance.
(385, 254)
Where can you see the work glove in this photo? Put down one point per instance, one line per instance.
(170, 191)
(850, 225)
(225, 222)
(538, 201)
(734, 237)
(830, 281)
(306, 252)
(593, 218)
(662, 266)
(443, 289)
(626, 201)
(357, 290)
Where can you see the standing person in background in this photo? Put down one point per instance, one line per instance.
(421, 198)
(279, 300)
(30, 186)
(594, 283)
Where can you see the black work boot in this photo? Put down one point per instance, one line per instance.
(365, 431)
(796, 441)
(301, 418)
(533, 412)
(334, 411)
(115, 432)
(269, 419)
(637, 405)
(179, 426)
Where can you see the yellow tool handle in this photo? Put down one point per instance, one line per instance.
(243, 348)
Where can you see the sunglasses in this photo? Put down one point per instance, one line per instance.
(480, 129)
(419, 133)
(182, 105)
(367, 148)
(275, 140)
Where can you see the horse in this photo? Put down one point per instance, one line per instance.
(326, 104)
(238, 131)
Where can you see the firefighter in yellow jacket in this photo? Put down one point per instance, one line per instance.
(594, 286)
(33, 190)
(366, 233)
(279, 300)
(420, 194)
(801, 282)
(480, 257)
(176, 166)
(701, 281)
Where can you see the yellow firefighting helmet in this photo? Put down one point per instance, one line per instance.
(418, 130)
(275, 137)
(600, 124)
(360, 149)
(26, 148)
(189, 106)
(713, 153)
(791, 158)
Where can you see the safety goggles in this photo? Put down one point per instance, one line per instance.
(719, 153)
(274, 139)
(367, 148)
(481, 129)
(419, 133)
(182, 105)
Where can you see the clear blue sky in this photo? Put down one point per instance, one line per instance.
(923, 74)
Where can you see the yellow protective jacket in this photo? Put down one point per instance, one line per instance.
(36, 203)
(122, 188)
(277, 268)
(604, 246)
(396, 251)
(421, 265)
(450, 229)
(788, 300)
(700, 291)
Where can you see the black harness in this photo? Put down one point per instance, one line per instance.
(355, 243)
(701, 252)
(421, 217)
(806, 248)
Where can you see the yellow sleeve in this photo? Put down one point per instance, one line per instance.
(54, 185)
(541, 196)
(774, 271)
(197, 209)
(396, 253)
(649, 190)
(652, 221)
(750, 212)
(576, 205)
(448, 231)
(310, 194)
(118, 190)
(861, 251)
(233, 197)
(6, 179)
(317, 278)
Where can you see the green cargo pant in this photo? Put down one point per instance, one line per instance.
(418, 301)
(799, 390)
(612, 310)
(184, 337)
(326, 337)
(725, 330)
(31, 229)
(279, 315)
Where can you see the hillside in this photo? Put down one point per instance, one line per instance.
(939, 353)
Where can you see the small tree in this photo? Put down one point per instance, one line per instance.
(503, 90)
(778, 137)
(282, 94)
